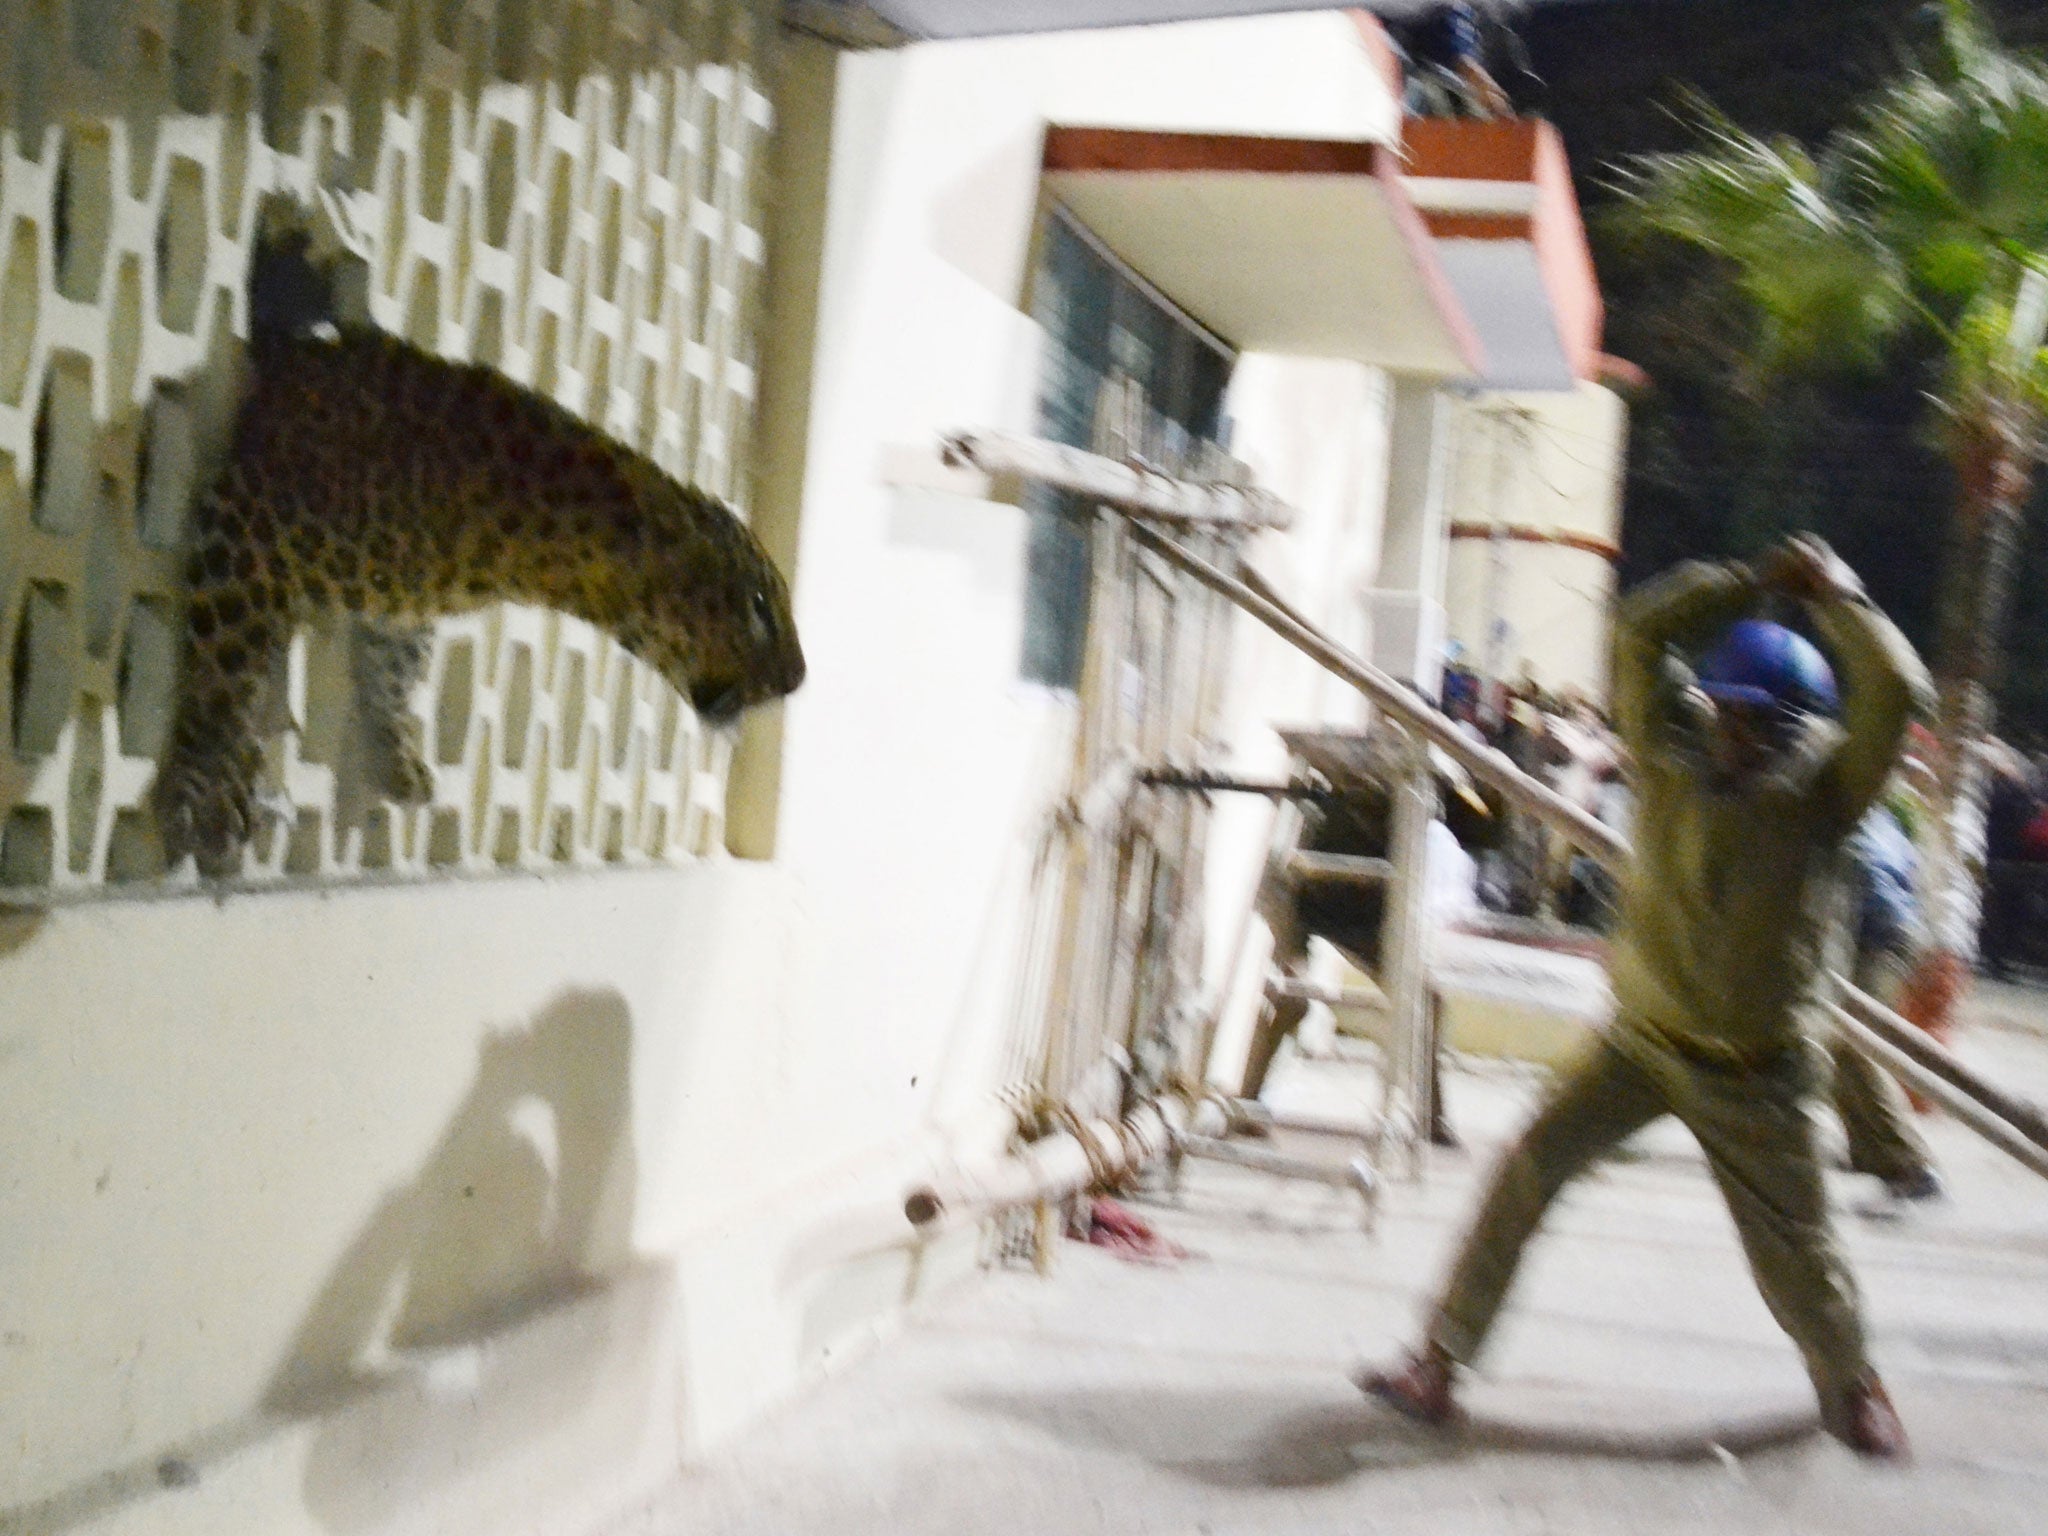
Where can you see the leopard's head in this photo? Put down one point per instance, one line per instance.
(713, 613)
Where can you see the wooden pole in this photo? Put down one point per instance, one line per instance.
(1958, 1101)
(1403, 703)
(1933, 1059)
(1115, 482)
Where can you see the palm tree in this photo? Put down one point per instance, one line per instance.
(1930, 210)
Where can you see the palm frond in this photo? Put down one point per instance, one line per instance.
(1829, 294)
(1926, 207)
(1936, 159)
(1963, 40)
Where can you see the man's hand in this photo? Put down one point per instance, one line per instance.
(1805, 569)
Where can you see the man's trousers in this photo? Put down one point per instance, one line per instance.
(1751, 1122)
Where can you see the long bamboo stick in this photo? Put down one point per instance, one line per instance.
(1402, 702)
(1931, 1058)
(1116, 483)
(1356, 1174)
(1952, 1097)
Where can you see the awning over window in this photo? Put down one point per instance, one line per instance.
(1497, 197)
(1304, 246)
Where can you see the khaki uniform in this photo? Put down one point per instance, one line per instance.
(1883, 1141)
(1716, 970)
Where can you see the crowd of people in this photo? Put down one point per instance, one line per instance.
(1525, 870)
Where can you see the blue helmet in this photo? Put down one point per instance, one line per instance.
(1767, 666)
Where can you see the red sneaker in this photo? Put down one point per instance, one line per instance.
(1420, 1388)
(1871, 1425)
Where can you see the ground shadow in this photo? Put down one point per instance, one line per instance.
(20, 925)
(524, 1205)
(1322, 1433)
(1311, 1435)
(1647, 1437)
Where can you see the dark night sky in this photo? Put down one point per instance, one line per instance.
(1719, 465)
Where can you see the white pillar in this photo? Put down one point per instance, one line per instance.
(1404, 607)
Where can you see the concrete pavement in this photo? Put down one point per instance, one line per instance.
(1637, 1384)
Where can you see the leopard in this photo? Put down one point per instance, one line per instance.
(367, 477)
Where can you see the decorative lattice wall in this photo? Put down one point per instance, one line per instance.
(568, 191)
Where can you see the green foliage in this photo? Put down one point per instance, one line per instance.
(1827, 292)
(1957, 163)
(1768, 415)
(1984, 368)
(1927, 209)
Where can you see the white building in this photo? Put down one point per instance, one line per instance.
(463, 1169)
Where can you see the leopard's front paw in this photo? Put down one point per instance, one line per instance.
(206, 816)
(406, 777)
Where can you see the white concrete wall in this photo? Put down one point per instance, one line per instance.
(1404, 599)
(1552, 462)
(917, 768)
(1316, 432)
(455, 1208)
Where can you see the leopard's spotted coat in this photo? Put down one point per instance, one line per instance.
(368, 476)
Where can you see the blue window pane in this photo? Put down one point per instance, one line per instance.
(1099, 319)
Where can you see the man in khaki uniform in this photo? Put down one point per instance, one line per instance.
(1750, 777)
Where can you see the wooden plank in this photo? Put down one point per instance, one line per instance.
(1355, 1174)
(1345, 868)
(1125, 487)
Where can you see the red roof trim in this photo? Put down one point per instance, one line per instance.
(1472, 149)
(1586, 543)
(1134, 149)
(1478, 226)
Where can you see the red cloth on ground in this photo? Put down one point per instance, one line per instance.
(1129, 1235)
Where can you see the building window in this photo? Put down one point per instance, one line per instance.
(1101, 319)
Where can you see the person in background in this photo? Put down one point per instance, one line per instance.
(1879, 934)
(1447, 74)
(2012, 808)
(1590, 895)
(1751, 768)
